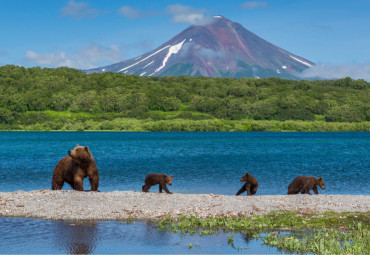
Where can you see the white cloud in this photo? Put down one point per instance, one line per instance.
(88, 57)
(187, 14)
(251, 5)
(79, 10)
(130, 12)
(49, 59)
(328, 71)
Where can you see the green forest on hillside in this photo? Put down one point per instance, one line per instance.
(67, 99)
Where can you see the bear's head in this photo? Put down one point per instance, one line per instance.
(80, 153)
(169, 179)
(320, 182)
(244, 177)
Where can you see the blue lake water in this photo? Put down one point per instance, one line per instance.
(200, 162)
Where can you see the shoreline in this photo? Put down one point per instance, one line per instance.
(132, 205)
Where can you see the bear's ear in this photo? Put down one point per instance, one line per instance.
(171, 177)
(87, 148)
(77, 145)
(320, 179)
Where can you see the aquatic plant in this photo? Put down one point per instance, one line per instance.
(321, 233)
(325, 241)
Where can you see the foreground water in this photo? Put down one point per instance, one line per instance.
(22, 236)
(200, 162)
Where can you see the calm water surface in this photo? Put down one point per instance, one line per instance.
(19, 235)
(200, 162)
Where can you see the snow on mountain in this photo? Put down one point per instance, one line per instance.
(220, 49)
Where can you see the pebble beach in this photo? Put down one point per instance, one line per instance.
(132, 205)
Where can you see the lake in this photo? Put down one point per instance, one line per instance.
(200, 163)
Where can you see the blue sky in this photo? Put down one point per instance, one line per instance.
(91, 33)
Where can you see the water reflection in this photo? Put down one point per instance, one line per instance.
(248, 236)
(76, 237)
(24, 236)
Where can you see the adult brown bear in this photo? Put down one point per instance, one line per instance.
(303, 184)
(154, 179)
(250, 185)
(74, 168)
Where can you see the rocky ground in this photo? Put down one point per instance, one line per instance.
(123, 205)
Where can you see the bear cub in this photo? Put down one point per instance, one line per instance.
(250, 185)
(73, 168)
(303, 184)
(154, 179)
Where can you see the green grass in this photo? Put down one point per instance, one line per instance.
(166, 121)
(319, 233)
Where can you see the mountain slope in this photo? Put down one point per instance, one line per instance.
(220, 49)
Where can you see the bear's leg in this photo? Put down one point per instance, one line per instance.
(94, 182)
(163, 184)
(314, 188)
(254, 190)
(146, 188)
(142, 188)
(292, 191)
(306, 189)
(57, 182)
(248, 189)
(78, 184)
(57, 185)
(242, 189)
(160, 188)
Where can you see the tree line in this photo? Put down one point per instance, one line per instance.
(30, 96)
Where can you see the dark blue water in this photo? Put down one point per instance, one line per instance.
(200, 162)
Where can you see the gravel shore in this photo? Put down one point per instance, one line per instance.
(123, 205)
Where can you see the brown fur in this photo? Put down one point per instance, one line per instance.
(250, 185)
(304, 184)
(154, 179)
(74, 168)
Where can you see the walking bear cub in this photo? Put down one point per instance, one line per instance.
(74, 168)
(303, 184)
(250, 185)
(154, 179)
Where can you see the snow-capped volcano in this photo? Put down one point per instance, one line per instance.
(220, 49)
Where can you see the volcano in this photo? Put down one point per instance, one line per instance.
(220, 49)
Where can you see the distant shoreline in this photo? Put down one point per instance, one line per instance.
(131, 205)
(183, 125)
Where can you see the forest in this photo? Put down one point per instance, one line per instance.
(67, 99)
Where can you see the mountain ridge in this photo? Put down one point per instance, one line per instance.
(222, 48)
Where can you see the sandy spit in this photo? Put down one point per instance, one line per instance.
(123, 205)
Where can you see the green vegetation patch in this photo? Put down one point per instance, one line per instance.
(318, 233)
(67, 99)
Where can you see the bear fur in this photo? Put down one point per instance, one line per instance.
(304, 184)
(74, 168)
(154, 179)
(250, 185)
